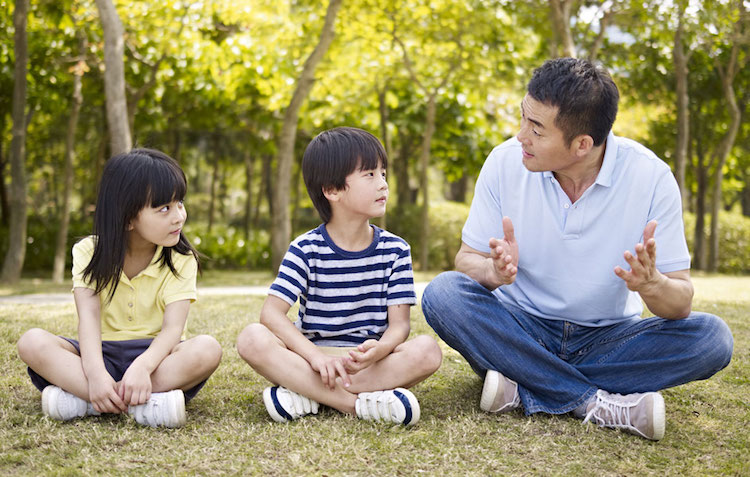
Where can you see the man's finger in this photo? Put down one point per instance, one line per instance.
(648, 232)
(508, 230)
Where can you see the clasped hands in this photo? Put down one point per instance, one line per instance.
(331, 367)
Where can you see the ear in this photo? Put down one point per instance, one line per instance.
(331, 193)
(582, 145)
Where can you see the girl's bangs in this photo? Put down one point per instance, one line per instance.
(165, 184)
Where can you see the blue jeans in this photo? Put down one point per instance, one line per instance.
(559, 365)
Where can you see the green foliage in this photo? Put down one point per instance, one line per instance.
(734, 240)
(41, 239)
(446, 222)
(225, 247)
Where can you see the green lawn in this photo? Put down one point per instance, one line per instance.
(229, 432)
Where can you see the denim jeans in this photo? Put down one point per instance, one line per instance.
(559, 365)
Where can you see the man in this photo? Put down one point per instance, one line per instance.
(549, 314)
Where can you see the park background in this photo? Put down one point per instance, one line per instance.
(234, 90)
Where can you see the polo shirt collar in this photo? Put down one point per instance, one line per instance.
(604, 178)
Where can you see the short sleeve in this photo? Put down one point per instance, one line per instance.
(401, 280)
(666, 208)
(292, 279)
(82, 253)
(182, 285)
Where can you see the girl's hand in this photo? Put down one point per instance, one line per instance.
(103, 394)
(365, 356)
(135, 387)
(329, 367)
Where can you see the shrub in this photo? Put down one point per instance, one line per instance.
(734, 240)
(226, 248)
(446, 221)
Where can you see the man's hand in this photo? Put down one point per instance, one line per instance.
(643, 275)
(504, 256)
(329, 367)
(135, 387)
(103, 394)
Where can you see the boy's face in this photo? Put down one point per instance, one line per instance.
(366, 194)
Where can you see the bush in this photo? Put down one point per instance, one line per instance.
(446, 221)
(226, 248)
(734, 240)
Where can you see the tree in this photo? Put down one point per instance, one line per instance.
(281, 223)
(14, 258)
(114, 78)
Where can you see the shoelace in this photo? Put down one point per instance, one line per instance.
(379, 404)
(619, 413)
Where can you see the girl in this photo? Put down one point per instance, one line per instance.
(133, 282)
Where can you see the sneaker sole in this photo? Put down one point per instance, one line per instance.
(489, 390)
(411, 404)
(270, 401)
(659, 417)
(46, 397)
(178, 416)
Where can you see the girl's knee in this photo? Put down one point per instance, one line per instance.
(31, 344)
(208, 351)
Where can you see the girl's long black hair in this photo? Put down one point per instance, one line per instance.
(130, 182)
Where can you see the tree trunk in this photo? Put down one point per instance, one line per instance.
(401, 169)
(699, 241)
(4, 205)
(458, 188)
(424, 165)
(61, 248)
(265, 189)
(14, 257)
(214, 182)
(383, 109)
(281, 226)
(560, 12)
(683, 112)
(249, 166)
(114, 78)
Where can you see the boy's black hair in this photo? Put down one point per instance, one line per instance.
(584, 93)
(131, 181)
(334, 154)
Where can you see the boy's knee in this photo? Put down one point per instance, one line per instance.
(252, 340)
(428, 355)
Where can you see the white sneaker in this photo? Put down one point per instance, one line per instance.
(162, 409)
(499, 394)
(64, 406)
(398, 405)
(641, 414)
(284, 405)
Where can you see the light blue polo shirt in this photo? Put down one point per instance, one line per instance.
(568, 251)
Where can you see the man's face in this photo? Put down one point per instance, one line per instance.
(543, 143)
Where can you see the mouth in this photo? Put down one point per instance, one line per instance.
(526, 155)
(176, 232)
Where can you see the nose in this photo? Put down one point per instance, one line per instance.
(180, 214)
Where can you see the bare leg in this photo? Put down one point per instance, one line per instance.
(189, 363)
(55, 359)
(410, 363)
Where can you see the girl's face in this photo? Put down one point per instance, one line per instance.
(159, 225)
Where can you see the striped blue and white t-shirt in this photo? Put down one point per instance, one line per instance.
(344, 296)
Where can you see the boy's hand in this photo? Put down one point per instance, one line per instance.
(329, 367)
(135, 387)
(365, 356)
(103, 394)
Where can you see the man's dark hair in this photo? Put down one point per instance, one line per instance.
(334, 154)
(584, 93)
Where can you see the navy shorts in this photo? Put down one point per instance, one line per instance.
(118, 355)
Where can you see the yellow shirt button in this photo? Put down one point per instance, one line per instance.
(130, 304)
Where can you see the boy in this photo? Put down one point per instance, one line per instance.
(348, 348)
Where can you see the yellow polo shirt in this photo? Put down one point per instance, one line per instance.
(137, 308)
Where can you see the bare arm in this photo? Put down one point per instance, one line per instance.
(136, 382)
(274, 316)
(491, 270)
(668, 295)
(102, 387)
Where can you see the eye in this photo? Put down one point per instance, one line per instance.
(535, 133)
(164, 209)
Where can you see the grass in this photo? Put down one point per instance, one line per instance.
(229, 432)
